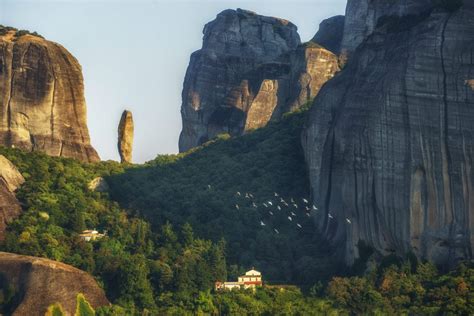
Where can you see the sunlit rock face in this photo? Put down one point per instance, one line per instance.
(250, 70)
(125, 137)
(389, 141)
(42, 99)
(10, 180)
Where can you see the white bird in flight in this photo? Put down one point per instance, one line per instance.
(279, 208)
(276, 230)
(209, 186)
(276, 194)
(295, 205)
(238, 193)
(254, 205)
(292, 201)
(315, 208)
(247, 196)
(262, 223)
(289, 218)
(251, 195)
(307, 214)
(271, 213)
(348, 221)
(237, 206)
(265, 204)
(330, 216)
(298, 225)
(270, 202)
(293, 214)
(306, 201)
(281, 200)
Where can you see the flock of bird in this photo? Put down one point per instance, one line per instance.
(277, 204)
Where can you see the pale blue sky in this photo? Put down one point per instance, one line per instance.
(134, 55)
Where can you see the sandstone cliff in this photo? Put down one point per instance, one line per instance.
(40, 283)
(125, 137)
(250, 70)
(10, 180)
(42, 98)
(389, 141)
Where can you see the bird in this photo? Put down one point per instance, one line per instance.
(281, 200)
(330, 216)
(279, 208)
(315, 208)
(238, 193)
(292, 201)
(251, 195)
(262, 223)
(209, 186)
(348, 221)
(307, 214)
(306, 201)
(237, 206)
(276, 194)
(295, 205)
(289, 218)
(307, 208)
(247, 196)
(293, 214)
(254, 205)
(265, 204)
(271, 213)
(270, 202)
(276, 230)
(298, 225)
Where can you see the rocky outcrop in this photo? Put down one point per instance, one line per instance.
(39, 283)
(42, 98)
(250, 70)
(389, 141)
(10, 180)
(330, 34)
(125, 137)
(99, 184)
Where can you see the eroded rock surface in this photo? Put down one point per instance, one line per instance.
(39, 283)
(10, 180)
(125, 137)
(389, 142)
(42, 99)
(250, 70)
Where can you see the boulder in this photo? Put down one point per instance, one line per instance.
(10, 180)
(39, 283)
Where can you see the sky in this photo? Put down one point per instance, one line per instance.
(134, 55)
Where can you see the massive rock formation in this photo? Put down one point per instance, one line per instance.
(330, 34)
(10, 180)
(42, 98)
(39, 283)
(389, 141)
(251, 69)
(125, 137)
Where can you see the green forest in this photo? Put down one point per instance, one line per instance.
(177, 224)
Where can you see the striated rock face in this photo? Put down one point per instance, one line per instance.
(389, 141)
(42, 99)
(40, 283)
(125, 137)
(10, 180)
(251, 69)
(330, 34)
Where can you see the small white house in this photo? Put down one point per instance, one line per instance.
(91, 234)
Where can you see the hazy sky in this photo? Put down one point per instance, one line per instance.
(134, 55)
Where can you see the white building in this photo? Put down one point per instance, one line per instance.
(251, 279)
(88, 235)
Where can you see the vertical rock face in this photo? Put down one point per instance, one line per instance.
(330, 34)
(389, 141)
(42, 98)
(39, 283)
(125, 137)
(251, 69)
(10, 180)
(362, 17)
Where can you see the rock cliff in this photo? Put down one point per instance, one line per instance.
(42, 98)
(125, 137)
(39, 283)
(251, 69)
(389, 141)
(330, 34)
(10, 180)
